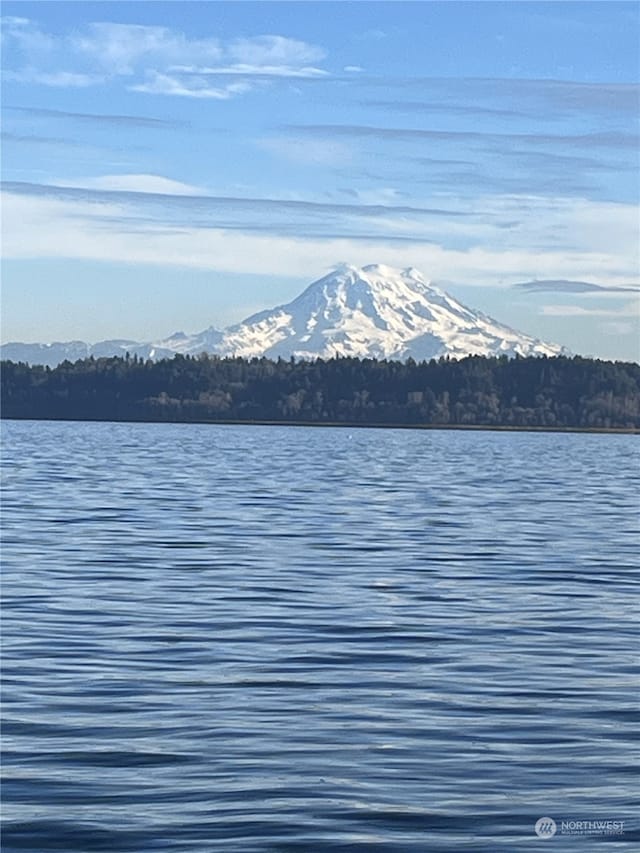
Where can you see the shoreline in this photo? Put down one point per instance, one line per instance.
(350, 425)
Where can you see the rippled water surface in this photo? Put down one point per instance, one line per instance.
(295, 639)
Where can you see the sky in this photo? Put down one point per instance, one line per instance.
(171, 166)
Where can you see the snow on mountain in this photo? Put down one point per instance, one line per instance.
(370, 312)
(375, 312)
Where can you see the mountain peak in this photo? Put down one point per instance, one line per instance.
(376, 271)
(382, 269)
(393, 272)
(374, 311)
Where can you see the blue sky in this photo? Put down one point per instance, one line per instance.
(174, 165)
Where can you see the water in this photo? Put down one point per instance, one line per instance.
(295, 639)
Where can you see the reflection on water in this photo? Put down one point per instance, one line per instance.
(294, 639)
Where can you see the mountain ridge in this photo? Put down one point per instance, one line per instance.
(373, 311)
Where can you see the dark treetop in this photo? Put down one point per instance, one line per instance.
(542, 392)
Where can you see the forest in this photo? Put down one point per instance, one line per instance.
(540, 392)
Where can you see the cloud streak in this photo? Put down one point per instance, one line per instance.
(100, 118)
(144, 226)
(630, 311)
(32, 139)
(589, 165)
(157, 83)
(260, 205)
(446, 108)
(139, 183)
(251, 71)
(565, 286)
(76, 228)
(56, 79)
(606, 139)
(514, 221)
(562, 97)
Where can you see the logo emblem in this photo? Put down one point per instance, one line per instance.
(545, 827)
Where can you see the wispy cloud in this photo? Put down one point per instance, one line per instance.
(308, 152)
(440, 161)
(122, 48)
(475, 180)
(474, 161)
(557, 163)
(99, 118)
(27, 36)
(273, 50)
(200, 204)
(375, 195)
(156, 60)
(138, 183)
(73, 147)
(631, 309)
(253, 71)
(57, 79)
(33, 139)
(542, 96)
(146, 220)
(576, 96)
(191, 87)
(565, 286)
(606, 139)
(77, 227)
(446, 108)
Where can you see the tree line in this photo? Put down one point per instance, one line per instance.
(559, 392)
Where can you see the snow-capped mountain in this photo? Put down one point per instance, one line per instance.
(370, 312)
(376, 312)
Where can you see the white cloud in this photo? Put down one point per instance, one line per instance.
(250, 70)
(605, 232)
(26, 36)
(46, 227)
(157, 83)
(58, 79)
(51, 228)
(135, 183)
(120, 48)
(161, 61)
(631, 309)
(623, 293)
(274, 50)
